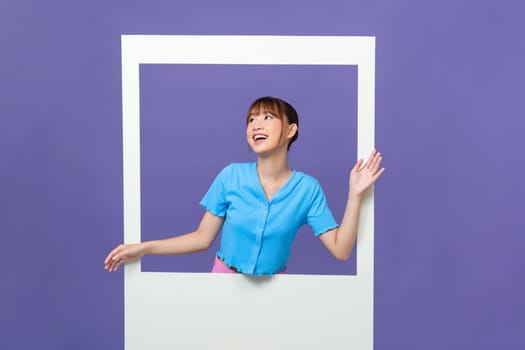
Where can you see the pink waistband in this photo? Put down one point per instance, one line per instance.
(220, 267)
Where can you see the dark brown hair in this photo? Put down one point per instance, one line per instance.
(280, 108)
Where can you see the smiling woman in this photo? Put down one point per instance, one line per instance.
(260, 206)
(269, 108)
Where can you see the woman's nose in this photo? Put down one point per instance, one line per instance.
(256, 125)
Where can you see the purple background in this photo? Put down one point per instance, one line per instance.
(449, 118)
(193, 124)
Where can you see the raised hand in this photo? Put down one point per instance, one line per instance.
(121, 254)
(364, 176)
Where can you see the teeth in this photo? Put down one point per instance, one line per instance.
(259, 137)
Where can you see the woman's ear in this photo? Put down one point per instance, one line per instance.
(292, 130)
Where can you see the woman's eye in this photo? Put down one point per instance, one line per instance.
(250, 120)
(268, 116)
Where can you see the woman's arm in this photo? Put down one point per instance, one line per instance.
(340, 241)
(200, 239)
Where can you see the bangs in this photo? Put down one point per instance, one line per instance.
(265, 104)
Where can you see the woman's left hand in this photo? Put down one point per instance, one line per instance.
(364, 176)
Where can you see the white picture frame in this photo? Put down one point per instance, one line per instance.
(232, 311)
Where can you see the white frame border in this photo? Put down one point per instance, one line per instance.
(211, 311)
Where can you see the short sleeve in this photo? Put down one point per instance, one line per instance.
(214, 200)
(319, 216)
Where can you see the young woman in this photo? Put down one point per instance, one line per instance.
(261, 206)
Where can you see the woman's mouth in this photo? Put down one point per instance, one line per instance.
(257, 138)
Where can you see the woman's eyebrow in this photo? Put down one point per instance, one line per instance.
(263, 112)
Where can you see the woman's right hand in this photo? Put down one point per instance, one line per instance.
(121, 254)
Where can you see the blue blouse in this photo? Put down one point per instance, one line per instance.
(257, 234)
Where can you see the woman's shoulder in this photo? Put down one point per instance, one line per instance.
(305, 183)
(245, 165)
(237, 169)
(306, 178)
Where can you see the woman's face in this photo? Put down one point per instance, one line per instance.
(264, 132)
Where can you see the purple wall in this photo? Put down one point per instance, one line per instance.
(193, 124)
(449, 119)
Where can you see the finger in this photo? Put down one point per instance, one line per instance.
(111, 265)
(357, 165)
(117, 265)
(376, 163)
(108, 266)
(373, 160)
(378, 174)
(113, 253)
(114, 265)
(370, 159)
(108, 260)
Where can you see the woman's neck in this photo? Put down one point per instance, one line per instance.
(273, 168)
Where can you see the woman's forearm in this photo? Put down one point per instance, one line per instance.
(183, 244)
(346, 234)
